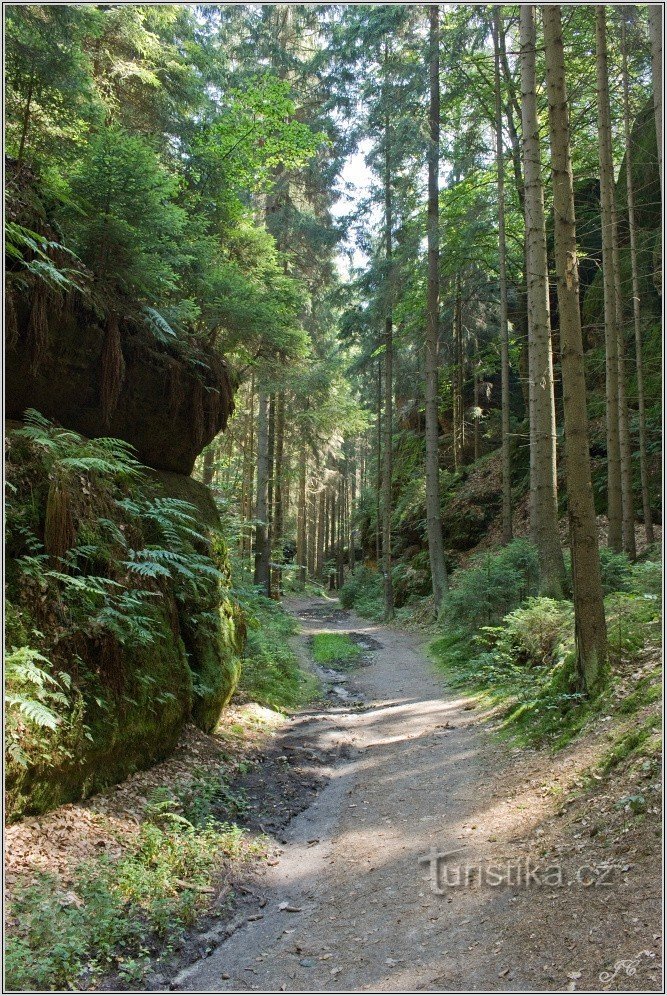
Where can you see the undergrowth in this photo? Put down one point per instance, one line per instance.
(114, 916)
(524, 666)
(270, 673)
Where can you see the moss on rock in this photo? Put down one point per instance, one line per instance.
(129, 699)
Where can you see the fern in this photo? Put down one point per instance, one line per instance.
(158, 325)
(20, 241)
(34, 698)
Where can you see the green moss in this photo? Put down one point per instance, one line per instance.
(648, 691)
(130, 697)
(642, 741)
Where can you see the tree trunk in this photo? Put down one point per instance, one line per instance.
(333, 511)
(502, 275)
(321, 523)
(457, 380)
(262, 552)
(541, 387)
(378, 487)
(208, 467)
(436, 548)
(475, 392)
(613, 306)
(636, 302)
(272, 447)
(340, 561)
(590, 627)
(607, 204)
(352, 502)
(278, 517)
(312, 533)
(388, 367)
(655, 29)
(250, 468)
(301, 552)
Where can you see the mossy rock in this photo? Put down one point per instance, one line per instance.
(172, 400)
(593, 307)
(131, 700)
(645, 176)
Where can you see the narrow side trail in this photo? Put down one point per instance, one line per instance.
(350, 906)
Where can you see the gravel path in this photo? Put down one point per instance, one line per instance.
(350, 905)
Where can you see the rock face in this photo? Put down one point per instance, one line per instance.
(129, 701)
(168, 400)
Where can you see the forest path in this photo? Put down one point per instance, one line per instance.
(349, 905)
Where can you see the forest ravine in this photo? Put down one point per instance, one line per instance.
(334, 496)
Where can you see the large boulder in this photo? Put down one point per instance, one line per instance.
(115, 377)
(128, 700)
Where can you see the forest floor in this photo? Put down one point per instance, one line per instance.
(356, 797)
(352, 904)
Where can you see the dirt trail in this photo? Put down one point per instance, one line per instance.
(349, 907)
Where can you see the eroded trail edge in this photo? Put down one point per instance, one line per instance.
(354, 904)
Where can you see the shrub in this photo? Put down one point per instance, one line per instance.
(494, 584)
(632, 622)
(363, 591)
(538, 633)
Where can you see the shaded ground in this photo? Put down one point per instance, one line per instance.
(351, 906)
(354, 795)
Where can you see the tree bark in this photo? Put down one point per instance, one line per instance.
(262, 552)
(321, 522)
(541, 387)
(272, 464)
(301, 552)
(312, 533)
(502, 275)
(340, 561)
(655, 30)
(388, 362)
(351, 503)
(590, 626)
(278, 519)
(636, 301)
(378, 467)
(436, 548)
(608, 212)
(617, 435)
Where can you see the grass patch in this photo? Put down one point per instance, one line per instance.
(642, 741)
(647, 691)
(270, 674)
(334, 648)
(114, 916)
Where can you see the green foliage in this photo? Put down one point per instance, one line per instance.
(116, 912)
(123, 592)
(525, 665)
(644, 740)
(536, 634)
(363, 592)
(35, 700)
(270, 673)
(493, 584)
(130, 230)
(633, 622)
(334, 648)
